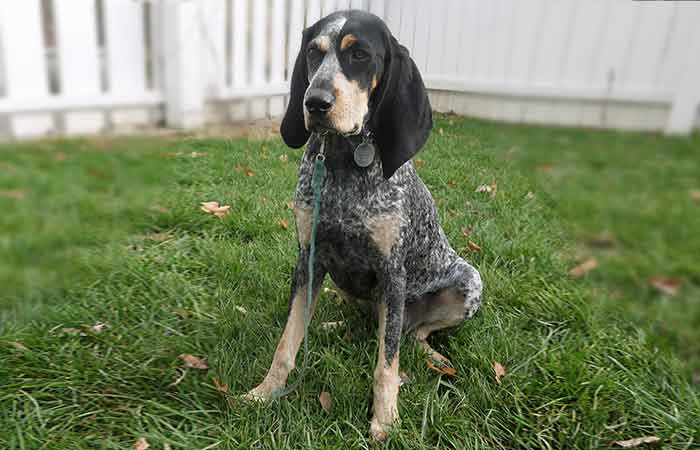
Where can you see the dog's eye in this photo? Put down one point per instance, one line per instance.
(359, 55)
(313, 53)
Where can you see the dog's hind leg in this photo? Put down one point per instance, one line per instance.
(445, 308)
(285, 356)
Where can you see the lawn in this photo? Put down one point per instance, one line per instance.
(109, 231)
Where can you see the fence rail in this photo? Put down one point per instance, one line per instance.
(84, 66)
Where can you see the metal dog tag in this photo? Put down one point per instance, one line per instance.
(364, 154)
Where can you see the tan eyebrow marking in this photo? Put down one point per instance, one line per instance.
(347, 41)
(323, 43)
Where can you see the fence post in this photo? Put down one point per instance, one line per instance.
(181, 46)
(686, 102)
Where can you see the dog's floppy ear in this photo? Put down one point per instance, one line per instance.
(402, 119)
(293, 129)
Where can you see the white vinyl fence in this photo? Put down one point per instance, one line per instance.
(86, 66)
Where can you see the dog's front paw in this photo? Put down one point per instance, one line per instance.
(379, 429)
(260, 394)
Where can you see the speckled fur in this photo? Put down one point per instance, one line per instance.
(421, 262)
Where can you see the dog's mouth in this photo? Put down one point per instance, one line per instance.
(322, 127)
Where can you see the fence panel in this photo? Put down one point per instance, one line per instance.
(25, 67)
(591, 63)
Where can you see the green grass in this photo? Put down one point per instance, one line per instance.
(112, 233)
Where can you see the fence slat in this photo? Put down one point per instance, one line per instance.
(277, 56)
(328, 7)
(212, 18)
(313, 12)
(239, 60)
(377, 7)
(79, 61)
(258, 107)
(393, 16)
(646, 50)
(25, 64)
(124, 33)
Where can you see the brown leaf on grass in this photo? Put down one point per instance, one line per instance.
(249, 172)
(666, 286)
(466, 231)
(473, 246)
(283, 223)
(141, 444)
(443, 370)
(418, 163)
(221, 387)
(326, 401)
(583, 268)
(284, 158)
(263, 200)
(60, 156)
(546, 168)
(194, 362)
(636, 442)
(290, 204)
(214, 208)
(499, 371)
(694, 194)
(15, 194)
(452, 183)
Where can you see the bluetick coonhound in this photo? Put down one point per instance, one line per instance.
(378, 234)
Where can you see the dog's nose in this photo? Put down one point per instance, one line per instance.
(319, 101)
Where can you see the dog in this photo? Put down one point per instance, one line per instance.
(378, 235)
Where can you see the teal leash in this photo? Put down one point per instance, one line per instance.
(317, 179)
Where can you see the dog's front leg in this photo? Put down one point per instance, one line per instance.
(386, 374)
(285, 356)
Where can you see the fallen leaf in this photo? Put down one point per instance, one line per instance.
(473, 246)
(19, 346)
(466, 231)
(583, 268)
(332, 325)
(694, 194)
(636, 442)
(452, 183)
(419, 163)
(283, 223)
(545, 168)
(240, 309)
(215, 209)
(99, 327)
(530, 195)
(249, 172)
(290, 204)
(141, 444)
(263, 200)
(326, 401)
(15, 194)
(444, 370)
(221, 387)
(193, 362)
(666, 286)
(60, 156)
(284, 158)
(499, 371)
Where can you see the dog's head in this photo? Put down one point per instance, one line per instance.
(351, 71)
